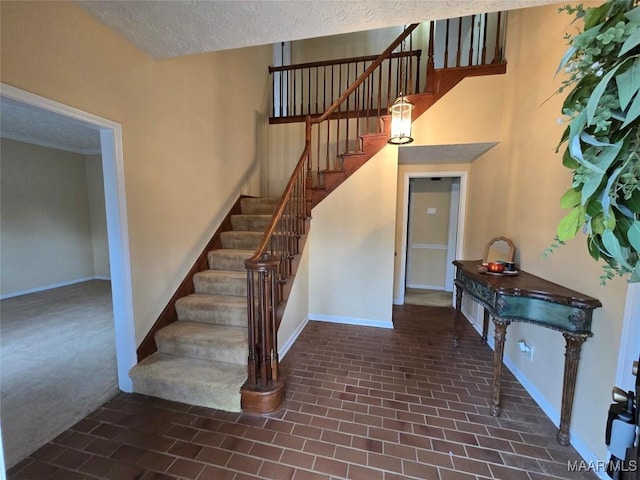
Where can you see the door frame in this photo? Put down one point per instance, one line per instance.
(630, 339)
(462, 208)
(117, 231)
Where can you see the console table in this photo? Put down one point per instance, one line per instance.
(527, 298)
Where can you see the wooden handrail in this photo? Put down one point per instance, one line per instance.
(341, 61)
(262, 247)
(365, 74)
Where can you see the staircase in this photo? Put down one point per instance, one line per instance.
(217, 339)
(202, 357)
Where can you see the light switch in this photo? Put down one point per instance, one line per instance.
(431, 211)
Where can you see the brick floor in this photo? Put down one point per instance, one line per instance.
(362, 403)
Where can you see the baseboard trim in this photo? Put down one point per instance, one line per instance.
(50, 287)
(581, 447)
(422, 286)
(292, 339)
(351, 321)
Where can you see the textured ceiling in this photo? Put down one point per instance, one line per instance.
(181, 27)
(26, 123)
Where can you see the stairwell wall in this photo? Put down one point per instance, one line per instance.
(187, 153)
(351, 256)
(514, 191)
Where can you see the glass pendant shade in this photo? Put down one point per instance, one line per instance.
(401, 121)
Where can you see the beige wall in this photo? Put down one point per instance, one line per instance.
(189, 127)
(97, 214)
(296, 312)
(525, 208)
(45, 221)
(370, 42)
(351, 256)
(469, 113)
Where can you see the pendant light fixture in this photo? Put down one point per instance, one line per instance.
(401, 109)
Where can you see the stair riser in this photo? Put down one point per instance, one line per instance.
(230, 286)
(225, 262)
(258, 206)
(217, 314)
(229, 350)
(250, 223)
(195, 382)
(201, 395)
(241, 241)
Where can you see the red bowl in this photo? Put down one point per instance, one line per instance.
(496, 267)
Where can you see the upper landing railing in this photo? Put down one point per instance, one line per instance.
(310, 88)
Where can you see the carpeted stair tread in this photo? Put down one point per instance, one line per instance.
(205, 341)
(241, 240)
(218, 309)
(258, 206)
(190, 380)
(250, 223)
(228, 259)
(221, 282)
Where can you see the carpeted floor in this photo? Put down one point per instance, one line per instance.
(428, 298)
(58, 363)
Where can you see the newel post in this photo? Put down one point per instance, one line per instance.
(263, 392)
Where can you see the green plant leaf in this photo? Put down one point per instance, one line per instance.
(594, 16)
(597, 224)
(633, 203)
(628, 83)
(592, 104)
(594, 208)
(613, 248)
(630, 43)
(568, 161)
(633, 15)
(633, 112)
(570, 199)
(565, 58)
(620, 228)
(633, 234)
(591, 182)
(571, 223)
(609, 154)
(594, 249)
(607, 199)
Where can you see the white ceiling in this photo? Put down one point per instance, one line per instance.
(434, 154)
(182, 27)
(179, 27)
(29, 124)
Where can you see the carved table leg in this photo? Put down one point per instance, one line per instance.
(485, 326)
(458, 317)
(572, 356)
(498, 354)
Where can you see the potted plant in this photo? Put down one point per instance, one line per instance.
(602, 139)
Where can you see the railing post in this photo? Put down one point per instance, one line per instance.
(263, 392)
(431, 79)
(497, 56)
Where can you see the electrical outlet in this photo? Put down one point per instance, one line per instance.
(526, 349)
